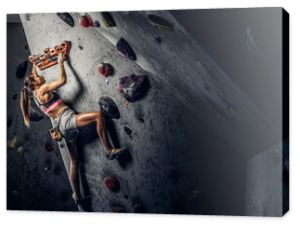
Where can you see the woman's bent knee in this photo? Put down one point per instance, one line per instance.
(99, 117)
(99, 114)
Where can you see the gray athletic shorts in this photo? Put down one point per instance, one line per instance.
(67, 125)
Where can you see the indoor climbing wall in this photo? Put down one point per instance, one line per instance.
(34, 164)
(190, 114)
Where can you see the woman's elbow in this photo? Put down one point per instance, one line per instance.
(63, 81)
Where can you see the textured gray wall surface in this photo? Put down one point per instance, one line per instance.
(33, 174)
(190, 153)
(247, 50)
(263, 171)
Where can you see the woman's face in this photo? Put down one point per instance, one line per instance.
(38, 80)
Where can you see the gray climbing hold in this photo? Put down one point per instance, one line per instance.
(160, 23)
(128, 131)
(125, 49)
(108, 107)
(21, 69)
(67, 18)
(107, 19)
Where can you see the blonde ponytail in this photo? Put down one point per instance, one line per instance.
(25, 106)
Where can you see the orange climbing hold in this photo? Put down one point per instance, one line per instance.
(49, 57)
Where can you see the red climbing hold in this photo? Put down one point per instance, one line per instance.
(111, 183)
(105, 69)
(49, 147)
(86, 21)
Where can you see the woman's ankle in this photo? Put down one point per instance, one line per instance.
(76, 197)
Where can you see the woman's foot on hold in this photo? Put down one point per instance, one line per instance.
(79, 202)
(115, 152)
(76, 198)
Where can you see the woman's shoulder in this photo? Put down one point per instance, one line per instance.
(42, 90)
(43, 96)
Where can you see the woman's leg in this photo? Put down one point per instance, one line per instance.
(86, 118)
(74, 174)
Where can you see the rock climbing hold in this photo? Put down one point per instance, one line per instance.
(141, 119)
(108, 107)
(128, 131)
(107, 19)
(160, 23)
(21, 69)
(12, 143)
(111, 183)
(158, 39)
(48, 57)
(86, 21)
(20, 149)
(96, 23)
(133, 87)
(125, 49)
(139, 114)
(9, 122)
(105, 69)
(49, 147)
(67, 18)
(15, 96)
(27, 16)
(80, 47)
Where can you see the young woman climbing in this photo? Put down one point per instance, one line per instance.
(66, 119)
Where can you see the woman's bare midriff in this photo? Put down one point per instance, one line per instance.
(57, 110)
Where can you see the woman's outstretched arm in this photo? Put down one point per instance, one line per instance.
(33, 71)
(60, 81)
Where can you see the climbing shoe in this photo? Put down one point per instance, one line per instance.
(115, 152)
